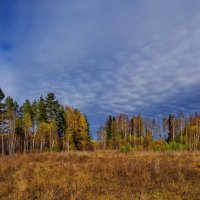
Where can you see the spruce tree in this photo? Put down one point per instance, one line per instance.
(2, 95)
(52, 107)
(27, 109)
(42, 114)
(109, 128)
(2, 109)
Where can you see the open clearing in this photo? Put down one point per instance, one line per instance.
(101, 175)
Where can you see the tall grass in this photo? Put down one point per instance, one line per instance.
(101, 175)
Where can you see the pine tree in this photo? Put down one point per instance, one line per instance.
(109, 128)
(2, 95)
(20, 135)
(27, 108)
(42, 113)
(2, 110)
(171, 128)
(10, 114)
(52, 107)
(109, 131)
(114, 133)
(60, 121)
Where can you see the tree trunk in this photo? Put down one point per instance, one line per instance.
(2, 144)
(41, 147)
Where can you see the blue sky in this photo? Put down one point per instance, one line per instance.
(103, 56)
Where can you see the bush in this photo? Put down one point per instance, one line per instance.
(173, 146)
(126, 148)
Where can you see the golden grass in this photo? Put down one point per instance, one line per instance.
(101, 175)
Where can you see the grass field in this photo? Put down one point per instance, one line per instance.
(101, 175)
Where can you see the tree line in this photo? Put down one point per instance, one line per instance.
(41, 125)
(47, 125)
(175, 131)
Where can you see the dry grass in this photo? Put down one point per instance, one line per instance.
(102, 175)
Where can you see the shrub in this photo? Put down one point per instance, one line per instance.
(172, 146)
(126, 148)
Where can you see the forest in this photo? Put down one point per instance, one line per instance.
(41, 125)
(45, 125)
(174, 132)
(53, 155)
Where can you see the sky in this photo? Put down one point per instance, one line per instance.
(103, 56)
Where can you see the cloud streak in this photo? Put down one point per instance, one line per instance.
(103, 57)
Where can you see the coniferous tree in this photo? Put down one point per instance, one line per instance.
(2, 110)
(52, 107)
(60, 121)
(27, 108)
(2, 121)
(114, 133)
(10, 114)
(2, 95)
(170, 126)
(109, 128)
(42, 112)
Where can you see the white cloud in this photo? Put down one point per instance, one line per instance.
(104, 57)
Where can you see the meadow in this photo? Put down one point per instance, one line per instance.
(101, 175)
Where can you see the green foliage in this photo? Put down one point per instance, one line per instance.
(52, 107)
(46, 124)
(109, 128)
(126, 148)
(172, 146)
(9, 104)
(42, 113)
(27, 121)
(2, 95)
(27, 108)
(180, 139)
(19, 128)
